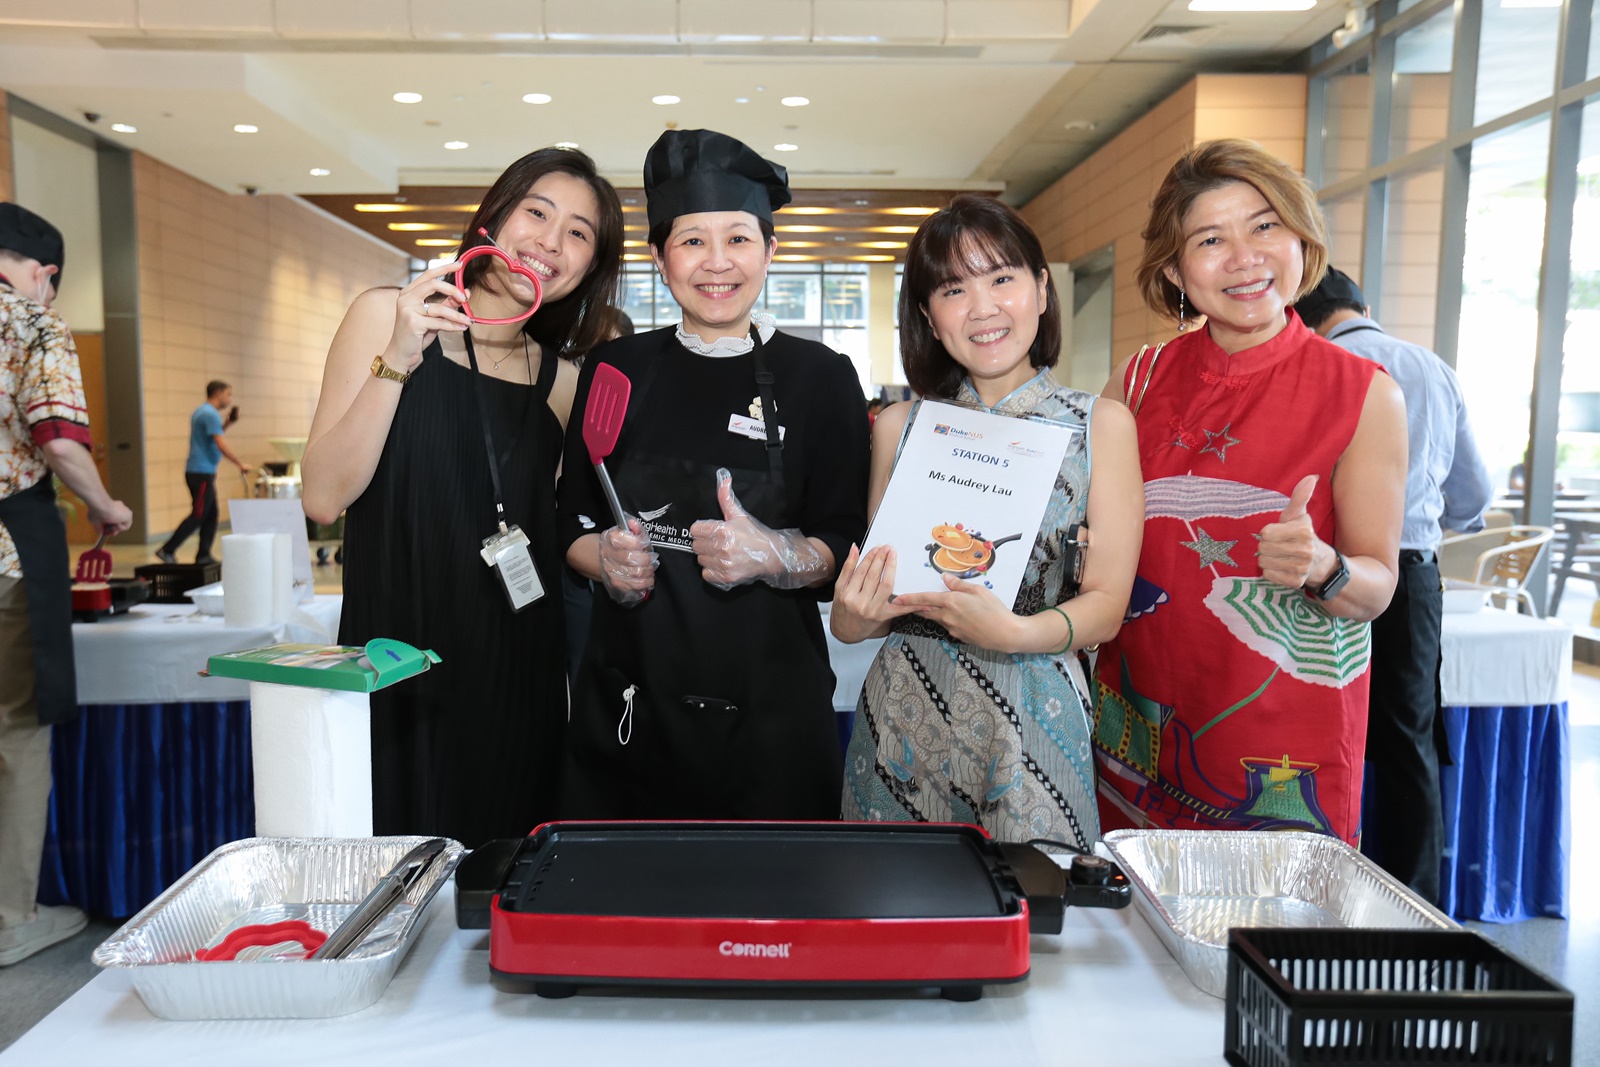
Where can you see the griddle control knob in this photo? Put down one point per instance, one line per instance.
(1092, 870)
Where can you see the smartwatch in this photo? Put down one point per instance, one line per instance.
(1335, 581)
(380, 369)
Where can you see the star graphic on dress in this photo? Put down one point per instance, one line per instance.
(1222, 449)
(1211, 550)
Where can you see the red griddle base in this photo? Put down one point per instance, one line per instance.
(778, 907)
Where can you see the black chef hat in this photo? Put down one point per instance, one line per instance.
(23, 232)
(687, 171)
(1336, 287)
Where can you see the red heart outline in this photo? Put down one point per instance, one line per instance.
(515, 266)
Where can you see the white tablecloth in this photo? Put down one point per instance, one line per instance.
(1490, 659)
(1494, 658)
(1103, 988)
(154, 653)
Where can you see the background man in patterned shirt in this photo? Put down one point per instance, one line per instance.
(43, 429)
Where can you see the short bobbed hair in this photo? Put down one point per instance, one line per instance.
(578, 321)
(1210, 166)
(974, 235)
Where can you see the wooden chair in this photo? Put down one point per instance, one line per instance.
(1501, 559)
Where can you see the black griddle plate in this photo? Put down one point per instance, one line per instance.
(747, 871)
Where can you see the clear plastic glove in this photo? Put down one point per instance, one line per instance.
(738, 549)
(628, 563)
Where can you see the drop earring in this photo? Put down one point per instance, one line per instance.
(1182, 325)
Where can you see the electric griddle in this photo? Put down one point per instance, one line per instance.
(769, 906)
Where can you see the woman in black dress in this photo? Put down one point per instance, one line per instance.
(469, 750)
(706, 691)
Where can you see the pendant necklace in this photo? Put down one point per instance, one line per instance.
(494, 364)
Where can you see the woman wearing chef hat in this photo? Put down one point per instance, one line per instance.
(742, 465)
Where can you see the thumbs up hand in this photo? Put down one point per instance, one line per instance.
(738, 548)
(1288, 547)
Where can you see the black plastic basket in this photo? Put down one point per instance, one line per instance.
(1388, 997)
(169, 581)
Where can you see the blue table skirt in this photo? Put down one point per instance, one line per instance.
(1507, 833)
(142, 793)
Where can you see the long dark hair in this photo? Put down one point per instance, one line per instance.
(974, 235)
(577, 322)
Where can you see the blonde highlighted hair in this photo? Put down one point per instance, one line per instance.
(1209, 166)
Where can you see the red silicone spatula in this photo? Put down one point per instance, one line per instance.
(602, 425)
(95, 564)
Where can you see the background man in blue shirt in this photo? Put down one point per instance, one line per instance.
(206, 448)
(1447, 487)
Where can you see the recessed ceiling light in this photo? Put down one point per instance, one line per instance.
(408, 98)
(664, 98)
(804, 229)
(536, 98)
(786, 147)
(808, 211)
(801, 244)
(455, 146)
(873, 259)
(741, 100)
(795, 259)
(418, 227)
(634, 257)
(436, 242)
(568, 145)
(893, 229)
(633, 244)
(320, 172)
(1252, 5)
(795, 101)
(883, 244)
(123, 127)
(909, 210)
(245, 127)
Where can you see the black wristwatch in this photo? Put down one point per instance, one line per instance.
(1334, 583)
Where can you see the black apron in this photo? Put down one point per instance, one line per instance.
(724, 699)
(35, 526)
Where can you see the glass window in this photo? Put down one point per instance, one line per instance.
(638, 298)
(1516, 57)
(1500, 288)
(1347, 123)
(1421, 107)
(1411, 255)
(1578, 436)
(794, 299)
(1344, 217)
(1594, 40)
(845, 298)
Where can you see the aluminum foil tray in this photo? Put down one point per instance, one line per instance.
(1192, 885)
(263, 880)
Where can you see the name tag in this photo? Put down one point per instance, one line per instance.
(508, 555)
(745, 426)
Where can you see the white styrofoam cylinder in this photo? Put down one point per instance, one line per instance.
(282, 577)
(313, 761)
(247, 579)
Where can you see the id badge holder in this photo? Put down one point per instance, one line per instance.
(508, 556)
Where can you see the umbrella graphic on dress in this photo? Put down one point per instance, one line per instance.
(1190, 497)
(1291, 631)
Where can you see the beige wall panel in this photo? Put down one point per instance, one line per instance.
(246, 289)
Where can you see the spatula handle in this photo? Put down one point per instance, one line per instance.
(611, 497)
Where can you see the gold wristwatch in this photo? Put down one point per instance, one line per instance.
(380, 369)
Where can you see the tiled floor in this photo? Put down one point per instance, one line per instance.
(1568, 950)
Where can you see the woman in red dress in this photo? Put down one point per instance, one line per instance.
(1235, 696)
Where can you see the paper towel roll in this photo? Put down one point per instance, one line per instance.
(312, 750)
(247, 579)
(283, 602)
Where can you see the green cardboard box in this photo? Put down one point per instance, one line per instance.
(357, 670)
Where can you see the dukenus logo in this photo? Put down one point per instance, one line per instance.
(1023, 450)
(956, 431)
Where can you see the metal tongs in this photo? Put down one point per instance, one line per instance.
(389, 891)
